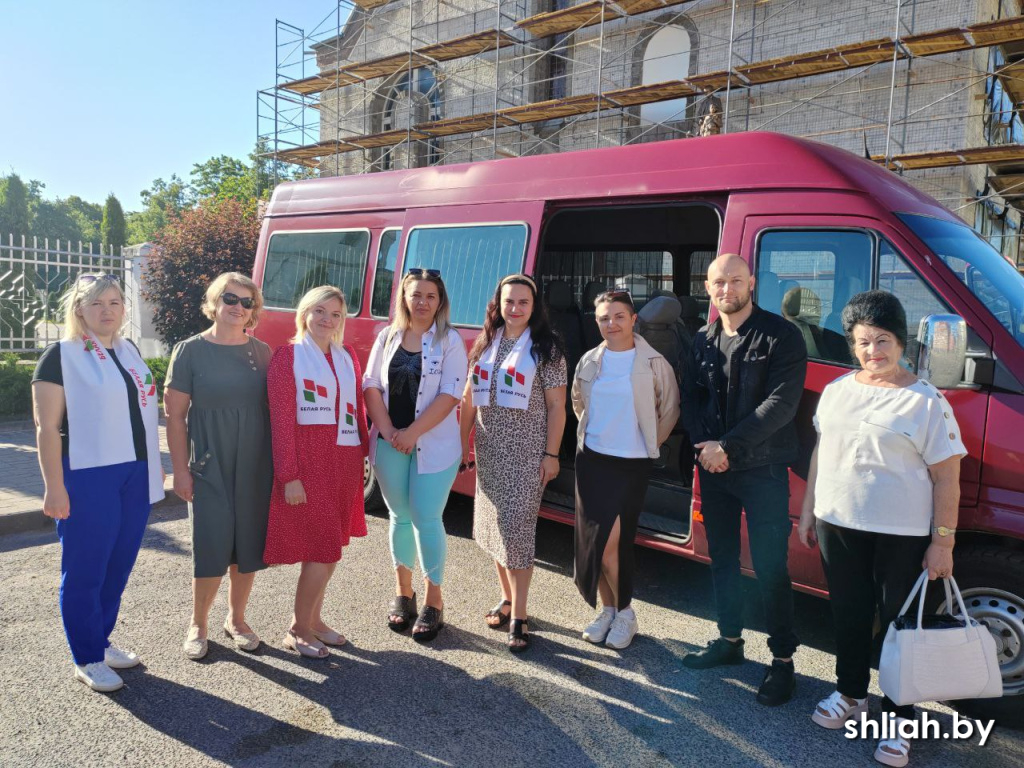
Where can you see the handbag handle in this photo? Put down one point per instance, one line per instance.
(970, 628)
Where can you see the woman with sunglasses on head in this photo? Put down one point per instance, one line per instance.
(414, 379)
(626, 398)
(96, 422)
(218, 432)
(320, 441)
(516, 399)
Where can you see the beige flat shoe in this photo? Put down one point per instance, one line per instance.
(330, 637)
(293, 643)
(195, 647)
(244, 641)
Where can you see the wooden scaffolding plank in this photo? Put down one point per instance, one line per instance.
(555, 108)
(939, 41)
(1006, 153)
(1013, 81)
(567, 19)
(385, 139)
(1009, 30)
(467, 45)
(647, 94)
(369, 5)
(1009, 185)
(470, 124)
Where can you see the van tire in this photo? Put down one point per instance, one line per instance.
(991, 579)
(373, 499)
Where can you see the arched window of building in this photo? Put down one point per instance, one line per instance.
(667, 57)
(411, 99)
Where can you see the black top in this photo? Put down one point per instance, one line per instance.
(763, 384)
(726, 344)
(404, 384)
(49, 369)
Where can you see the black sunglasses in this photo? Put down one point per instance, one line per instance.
(421, 270)
(231, 299)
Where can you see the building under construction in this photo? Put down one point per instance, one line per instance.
(928, 87)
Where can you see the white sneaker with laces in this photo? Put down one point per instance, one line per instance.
(623, 628)
(115, 658)
(597, 630)
(98, 676)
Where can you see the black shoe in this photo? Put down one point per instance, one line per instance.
(778, 685)
(430, 622)
(718, 652)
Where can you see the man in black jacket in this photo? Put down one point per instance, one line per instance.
(741, 390)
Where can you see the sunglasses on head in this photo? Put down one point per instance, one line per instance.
(90, 279)
(231, 300)
(421, 270)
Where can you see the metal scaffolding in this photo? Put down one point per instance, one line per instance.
(382, 84)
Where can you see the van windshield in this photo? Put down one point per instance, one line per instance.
(990, 277)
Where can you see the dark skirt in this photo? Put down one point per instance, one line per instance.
(607, 487)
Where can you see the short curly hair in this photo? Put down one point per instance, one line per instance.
(220, 285)
(879, 309)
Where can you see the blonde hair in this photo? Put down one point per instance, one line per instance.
(316, 296)
(219, 287)
(81, 293)
(403, 318)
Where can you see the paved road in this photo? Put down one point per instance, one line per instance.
(384, 700)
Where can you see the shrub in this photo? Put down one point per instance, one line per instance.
(193, 249)
(15, 387)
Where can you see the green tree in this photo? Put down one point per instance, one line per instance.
(163, 203)
(196, 246)
(88, 216)
(52, 219)
(222, 178)
(14, 210)
(112, 228)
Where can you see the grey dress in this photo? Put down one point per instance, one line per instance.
(509, 445)
(231, 460)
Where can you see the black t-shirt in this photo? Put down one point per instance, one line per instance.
(404, 385)
(726, 344)
(48, 369)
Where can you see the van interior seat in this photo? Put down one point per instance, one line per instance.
(566, 320)
(660, 327)
(769, 291)
(833, 335)
(802, 307)
(591, 333)
(690, 316)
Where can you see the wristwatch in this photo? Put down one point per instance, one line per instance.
(943, 530)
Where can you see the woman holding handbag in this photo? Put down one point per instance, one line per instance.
(883, 491)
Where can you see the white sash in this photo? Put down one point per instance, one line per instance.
(515, 376)
(99, 419)
(316, 388)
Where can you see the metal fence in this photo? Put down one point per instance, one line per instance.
(33, 277)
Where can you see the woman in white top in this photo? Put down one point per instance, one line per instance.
(99, 449)
(414, 379)
(626, 398)
(882, 496)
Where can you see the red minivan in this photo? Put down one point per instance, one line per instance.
(817, 225)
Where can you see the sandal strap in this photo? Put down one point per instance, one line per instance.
(836, 706)
(403, 606)
(429, 617)
(496, 610)
(516, 629)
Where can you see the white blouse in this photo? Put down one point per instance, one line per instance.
(613, 428)
(874, 449)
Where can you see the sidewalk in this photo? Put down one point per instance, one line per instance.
(21, 483)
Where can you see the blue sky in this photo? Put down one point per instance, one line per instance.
(105, 96)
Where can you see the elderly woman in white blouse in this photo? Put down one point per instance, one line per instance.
(882, 497)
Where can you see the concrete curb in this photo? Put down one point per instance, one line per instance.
(35, 520)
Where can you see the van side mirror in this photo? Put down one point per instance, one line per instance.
(943, 351)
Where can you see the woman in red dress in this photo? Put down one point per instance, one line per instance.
(320, 441)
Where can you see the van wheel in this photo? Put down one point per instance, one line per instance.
(991, 579)
(373, 500)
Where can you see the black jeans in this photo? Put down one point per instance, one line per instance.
(866, 571)
(763, 493)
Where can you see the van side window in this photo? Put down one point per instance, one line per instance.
(472, 259)
(298, 261)
(384, 274)
(918, 300)
(808, 276)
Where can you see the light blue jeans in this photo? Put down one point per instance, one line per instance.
(415, 505)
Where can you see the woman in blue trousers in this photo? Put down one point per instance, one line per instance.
(96, 418)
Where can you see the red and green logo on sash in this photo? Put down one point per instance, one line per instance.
(350, 414)
(311, 390)
(512, 378)
(479, 375)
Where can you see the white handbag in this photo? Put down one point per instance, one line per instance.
(938, 658)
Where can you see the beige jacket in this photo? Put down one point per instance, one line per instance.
(655, 393)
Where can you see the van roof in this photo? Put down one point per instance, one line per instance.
(741, 161)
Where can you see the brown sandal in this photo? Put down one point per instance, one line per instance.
(496, 612)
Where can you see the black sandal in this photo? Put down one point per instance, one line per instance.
(405, 608)
(431, 621)
(501, 615)
(517, 636)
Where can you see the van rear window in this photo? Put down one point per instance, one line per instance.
(298, 261)
(472, 259)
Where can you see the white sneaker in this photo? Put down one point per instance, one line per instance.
(597, 630)
(98, 676)
(622, 630)
(115, 658)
